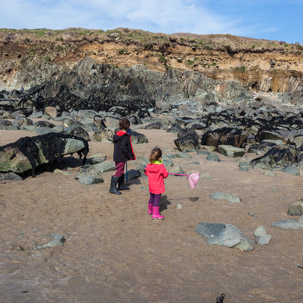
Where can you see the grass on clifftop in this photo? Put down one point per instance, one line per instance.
(148, 40)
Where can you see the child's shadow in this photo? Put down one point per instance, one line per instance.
(164, 202)
(133, 181)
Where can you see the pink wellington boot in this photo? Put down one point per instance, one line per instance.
(150, 209)
(156, 213)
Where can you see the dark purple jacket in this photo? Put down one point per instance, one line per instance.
(123, 150)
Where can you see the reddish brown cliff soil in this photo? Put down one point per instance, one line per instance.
(258, 64)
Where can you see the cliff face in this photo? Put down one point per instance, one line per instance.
(31, 57)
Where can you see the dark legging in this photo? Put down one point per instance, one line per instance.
(119, 169)
(154, 199)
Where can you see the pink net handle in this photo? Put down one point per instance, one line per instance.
(178, 174)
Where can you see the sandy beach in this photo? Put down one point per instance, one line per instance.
(114, 251)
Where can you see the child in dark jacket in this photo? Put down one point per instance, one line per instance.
(123, 151)
(156, 172)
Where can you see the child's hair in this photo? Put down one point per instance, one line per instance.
(155, 155)
(124, 123)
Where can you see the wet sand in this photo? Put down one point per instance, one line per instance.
(115, 252)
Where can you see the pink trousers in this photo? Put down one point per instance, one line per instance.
(119, 169)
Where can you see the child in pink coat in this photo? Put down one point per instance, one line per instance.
(156, 172)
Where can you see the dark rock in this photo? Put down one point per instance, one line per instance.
(77, 131)
(5, 124)
(10, 176)
(291, 170)
(276, 157)
(175, 128)
(103, 135)
(29, 152)
(187, 143)
(44, 130)
(213, 157)
(260, 147)
(224, 234)
(44, 124)
(138, 138)
(155, 125)
(89, 175)
(198, 126)
(187, 131)
(224, 136)
(296, 209)
(133, 174)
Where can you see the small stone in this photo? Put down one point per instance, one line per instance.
(205, 176)
(193, 199)
(179, 206)
(58, 240)
(264, 240)
(59, 171)
(269, 173)
(213, 157)
(260, 231)
(227, 197)
(252, 214)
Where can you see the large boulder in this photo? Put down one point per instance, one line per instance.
(224, 234)
(188, 141)
(29, 152)
(224, 136)
(276, 157)
(231, 151)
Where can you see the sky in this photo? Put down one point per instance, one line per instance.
(261, 19)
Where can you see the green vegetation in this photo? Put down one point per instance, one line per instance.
(146, 40)
(207, 47)
(148, 46)
(40, 32)
(34, 49)
(240, 69)
(122, 51)
(162, 59)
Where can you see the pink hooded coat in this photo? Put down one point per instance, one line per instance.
(156, 172)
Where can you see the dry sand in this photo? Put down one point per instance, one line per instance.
(115, 252)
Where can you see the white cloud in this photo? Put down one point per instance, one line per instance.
(168, 16)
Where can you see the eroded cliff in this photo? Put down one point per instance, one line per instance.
(31, 57)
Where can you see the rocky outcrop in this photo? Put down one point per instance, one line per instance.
(91, 85)
(261, 65)
(277, 157)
